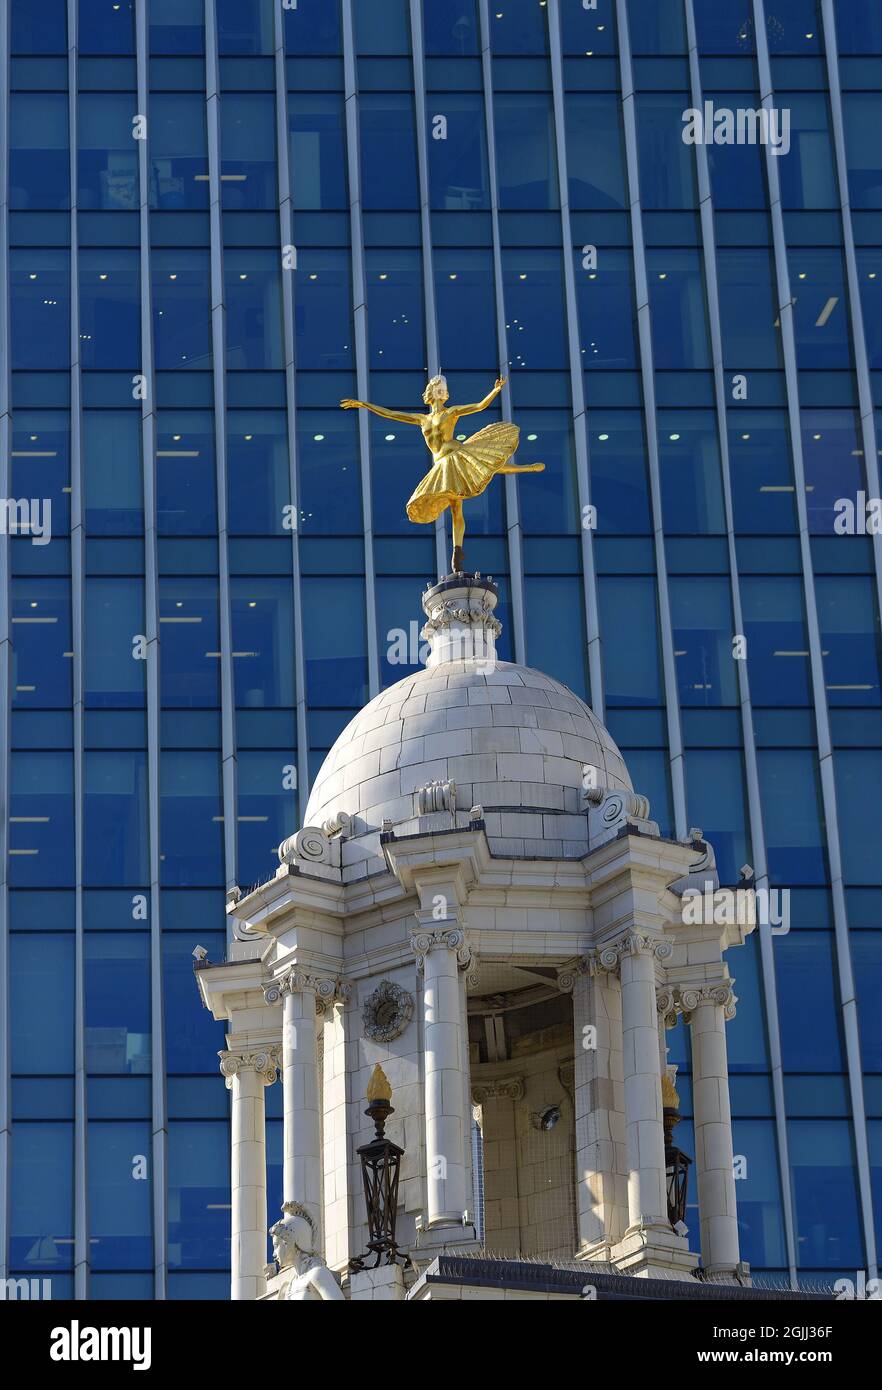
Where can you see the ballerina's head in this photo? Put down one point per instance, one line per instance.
(436, 392)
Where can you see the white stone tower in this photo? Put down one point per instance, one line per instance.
(478, 901)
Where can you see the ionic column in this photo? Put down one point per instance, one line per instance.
(247, 1073)
(442, 954)
(644, 1131)
(706, 1009)
(303, 995)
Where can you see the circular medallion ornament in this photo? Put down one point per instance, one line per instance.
(387, 1012)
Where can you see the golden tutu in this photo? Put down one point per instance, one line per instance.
(462, 469)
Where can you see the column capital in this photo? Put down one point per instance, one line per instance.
(263, 1061)
(668, 1004)
(717, 992)
(501, 1088)
(610, 954)
(328, 989)
(445, 938)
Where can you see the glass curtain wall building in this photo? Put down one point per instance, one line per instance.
(219, 218)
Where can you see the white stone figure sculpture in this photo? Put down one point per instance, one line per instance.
(293, 1242)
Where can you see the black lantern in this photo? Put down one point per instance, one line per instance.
(676, 1162)
(380, 1169)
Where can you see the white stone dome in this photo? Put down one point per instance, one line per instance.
(513, 740)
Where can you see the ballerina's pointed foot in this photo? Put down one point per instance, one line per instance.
(457, 562)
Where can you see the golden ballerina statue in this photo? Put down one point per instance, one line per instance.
(460, 469)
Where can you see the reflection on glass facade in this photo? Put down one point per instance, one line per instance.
(692, 339)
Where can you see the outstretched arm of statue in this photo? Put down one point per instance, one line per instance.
(481, 405)
(404, 417)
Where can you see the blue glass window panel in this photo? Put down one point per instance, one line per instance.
(266, 811)
(248, 150)
(724, 29)
(335, 642)
(42, 967)
(317, 150)
(519, 27)
(820, 308)
(253, 292)
(107, 157)
(691, 482)
(737, 172)
(186, 495)
(466, 308)
(451, 26)
(50, 911)
(701, 617)
(589, 32)
(402, 651)
(716, 801)
(190, 636)
(747, 1046)
(198, 1195)
(382, 26)
(866, 952)
(106, 26)
(120, 1198)
(628, 607)
(117, 974)
(806, 172)
(595, 150)
(191, 820)
(554, 612)
(329, 494)
(114, 617)
(257, 472)
(848, 615)
(323, 331)
(244, 29)
(113, 475)
(41, 461)
(758, 1195)
(869, 264)
(192, 1037)
(859, 787)
(667, 164)
(549, 500)
(40, 310)
(396, 336)
(181, 309)
(263, 643)
(650, 771)
(110, 310)
(858, 27)
(617, 457)
(534, 309)
(679, 309)
(457, 164)
(823, 1183)
(115, 819)
(198, 1287)
(526, 154)
(792, 815)
(798, 27)
(41, 30)
(132, 1288)
(178, 151)
(607, 316)
(41, 625)
(656, 28)
(763, 494)
(41, 1206)
(177, 26)
(39, 160)
(833, 461)
(874, 1135)
(388, 151)
(773, 611)
(748, 309)
(41, 853)
(314, 27)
